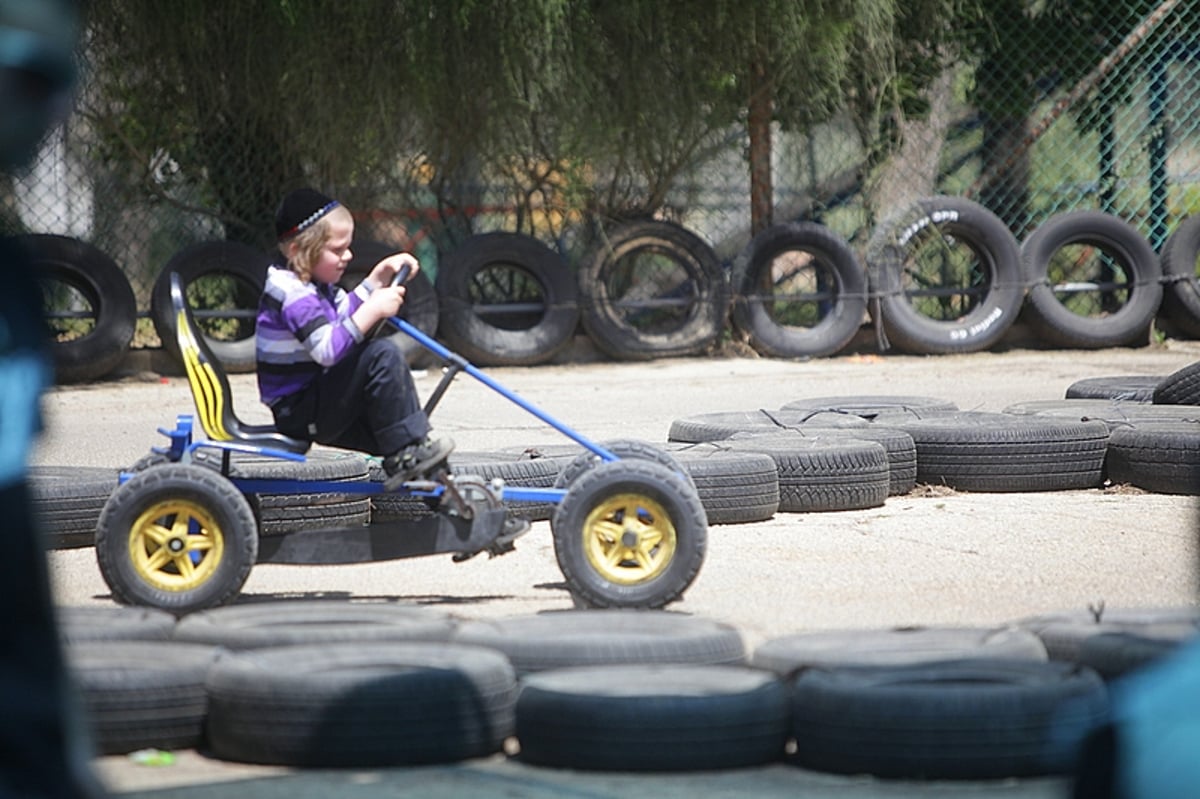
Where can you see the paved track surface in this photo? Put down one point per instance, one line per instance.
(931, 557)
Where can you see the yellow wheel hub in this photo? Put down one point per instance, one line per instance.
(629, 538)
(176, 545)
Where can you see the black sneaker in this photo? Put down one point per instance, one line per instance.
(415, 460)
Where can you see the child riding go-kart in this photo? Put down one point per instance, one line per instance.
(180, 532)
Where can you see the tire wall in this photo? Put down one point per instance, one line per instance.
(645, 289)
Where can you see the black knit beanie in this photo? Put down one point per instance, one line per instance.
(300, 210)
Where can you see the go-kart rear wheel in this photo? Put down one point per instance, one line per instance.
(629, 534)
(176, 537)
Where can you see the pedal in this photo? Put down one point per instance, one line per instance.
(514, 528)
(502, 544)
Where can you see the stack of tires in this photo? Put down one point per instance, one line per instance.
(312, 683)
(943, 275)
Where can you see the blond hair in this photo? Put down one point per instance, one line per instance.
(309, 242)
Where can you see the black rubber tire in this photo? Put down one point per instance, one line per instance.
(734, 487)
(515, 471)
(652, 718)
(720, 426)
(1064, 633)
(491, 270)
(798, 291)
(183, 493)
(89, 274)
(1181, 387)
(141, 694)
(1111, 322)
(80, 623)
(1126, 388)
(948, 233)
(1180, 261)
(996, 452)
(869, 406)
(570, 638)
(652, 289)
(68, 500)
(361, 705)
(240, 272)
(316, 621)
(625, 449)
(966, 719)
(1114, 413)
(900, 646)
(278, 514)
(421, 305)
(668, 530)
(1117, 655)
(825, 474)
(1163, 457)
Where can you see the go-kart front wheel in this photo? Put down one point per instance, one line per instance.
(629, 534)
(177, 537)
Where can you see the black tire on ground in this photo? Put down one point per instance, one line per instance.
(1163, 457)
(222, 282)
(901, 646)
(721, 426)
(1180, 262)
(1114, 413)
(176, 537)
(869, 406)
(1094, 280)
(652, 718)
(570, 638)
(278, 514)
(799, 291)
(141, 694)
(625, 449)
(825, 474)
(79, 623)
(76, 277)
(68, 501)
(362, 705)
(1116, 655)
(652, 289)
(965, 719)
(947, 272)
(629, 534)
(292, 622)
(1127, 388)
(1064, 633)
(420, 307)
(506, 300)
(1181, 387)
(976, 451)
(734, 487)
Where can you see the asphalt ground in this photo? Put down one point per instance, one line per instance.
(931, 557)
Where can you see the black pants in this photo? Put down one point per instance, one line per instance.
(366, 402)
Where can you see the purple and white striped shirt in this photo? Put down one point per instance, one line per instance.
(302, 329)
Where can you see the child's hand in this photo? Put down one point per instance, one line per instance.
(386, 270)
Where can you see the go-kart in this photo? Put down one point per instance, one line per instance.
(181, 533)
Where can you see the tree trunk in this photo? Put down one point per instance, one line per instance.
(762, 191)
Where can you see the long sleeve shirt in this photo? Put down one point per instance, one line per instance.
(302, 328)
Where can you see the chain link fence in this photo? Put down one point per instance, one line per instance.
(1100, 115)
